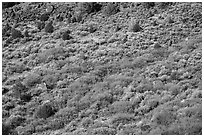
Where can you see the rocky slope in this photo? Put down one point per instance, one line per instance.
(102, 68)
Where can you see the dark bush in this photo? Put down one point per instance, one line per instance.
(50, 81)
(89, 7)
(49, 27)
(4, 90)
(111, 9)
(19, 89)
(148, 4)
(6, 129)
(164, 117)
(44, 111)
(16, 33)
(66, 36)
(44, 16)
(40, 25)
(9, 4)
(134, 26)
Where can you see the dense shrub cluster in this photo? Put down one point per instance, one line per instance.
(88, 74)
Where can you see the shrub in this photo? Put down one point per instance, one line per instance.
(44, 16)
(89, 7)
(16, 33)
(6, 129)
(9, 4)
(164, 117)
(32, 79)
(49, 27)
(66, 36)
(50, 81)
(134, 26)
(111, 9)
(148, 4)
(175, 89)
(4, 90)
(44, 111)
(19, 91)
(40, 25)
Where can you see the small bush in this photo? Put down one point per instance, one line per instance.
(16, 33)
(89, 7)
(40, 25)
(44, 111)
(175, 90)
(18, 89)
(134, 26)
(49, 27)
(44, 17)
(66, 36)
(164, 117)
(50, 81)
(111, 9)
(31, 80)
(148, 4)
(6, 129)
(9, 4)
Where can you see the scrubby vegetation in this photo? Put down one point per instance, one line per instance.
(102, 68)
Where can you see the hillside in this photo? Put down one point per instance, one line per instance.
(102, 68)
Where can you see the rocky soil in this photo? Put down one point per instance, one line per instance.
(102, 68)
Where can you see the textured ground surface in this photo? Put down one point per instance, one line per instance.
(102, 68)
